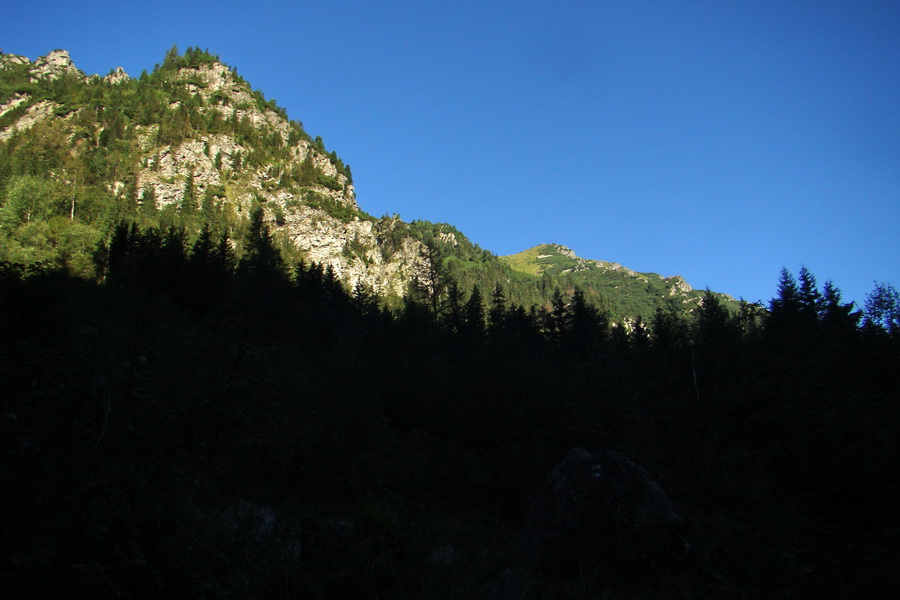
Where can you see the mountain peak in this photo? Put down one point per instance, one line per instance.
(192, 144)
(117, 76)
(54, 65)
(628, 291)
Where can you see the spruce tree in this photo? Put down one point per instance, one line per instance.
(838, 317)
(883, 308)
(497, 311)
(473, 314)
(261, 259)
(785, 308)
(189, 197)
(808, 296)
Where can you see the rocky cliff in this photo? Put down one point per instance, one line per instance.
(307, 193)
(192, 143)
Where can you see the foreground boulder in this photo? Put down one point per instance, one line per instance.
(602, 506)
(597, 511)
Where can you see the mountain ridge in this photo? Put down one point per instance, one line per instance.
(628, 291)
(193, 142)
(192, 409)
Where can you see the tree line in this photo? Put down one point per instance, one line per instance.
(141, 409)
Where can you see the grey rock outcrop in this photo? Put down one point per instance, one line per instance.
(54, 65)
(600, 503)
(257, 545)
(117, 76)
(511, 584)
(595, 509)
(678, 285)
(318, 216)
(9, 60)
(33, 115)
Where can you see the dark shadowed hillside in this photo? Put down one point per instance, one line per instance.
(197, 403)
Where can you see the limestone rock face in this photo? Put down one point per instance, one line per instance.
(678, 285)
(325, 240)
(223, 93)
(583, 264)
(117, 76)
(54, 65)
(10, 60)
(35, 113)
(13, 102)
(167, 170)
(316, 214)
(213, 161)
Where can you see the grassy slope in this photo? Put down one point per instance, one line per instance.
(627, 293)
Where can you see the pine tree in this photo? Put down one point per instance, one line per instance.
(436, 279)
(473, 314)
(120, 250)
(808, 296)
(838, 317)
(172, 55)
(261, 259)
(148, 201)
(364, 300)
(669, 328)
(223, 257)
(454, 311)
(785, 308)
(189, 197)
(558, 319)
(202, 251)
(883, 308)
(588, 327)
(497, 311)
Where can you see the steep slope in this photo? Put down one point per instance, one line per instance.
(629, 293)
(191, 144)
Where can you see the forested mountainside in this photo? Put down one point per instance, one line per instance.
(203, 409)
(192, 145)
(627, 293)
(209, 427)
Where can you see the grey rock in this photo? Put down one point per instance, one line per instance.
(511, 584)
(330, 528)
(117, 76)
(54, 65)
(603, 505)
(255, 534)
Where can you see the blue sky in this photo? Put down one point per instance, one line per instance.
(715, 140)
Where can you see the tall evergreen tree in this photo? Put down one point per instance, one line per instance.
(261, 258)
(785, 307)
(883, 308)
(558, 319)
(431, 286)
(189, 196)
(473, 314)
(497, 311)
(808, 295)
(454, 313)
(223, 256)
(588, 325)
(838, 316)
(364, 300)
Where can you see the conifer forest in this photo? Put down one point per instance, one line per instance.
(195, 407)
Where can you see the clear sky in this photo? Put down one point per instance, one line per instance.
(717, 140)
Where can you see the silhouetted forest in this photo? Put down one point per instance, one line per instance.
(211, 422)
